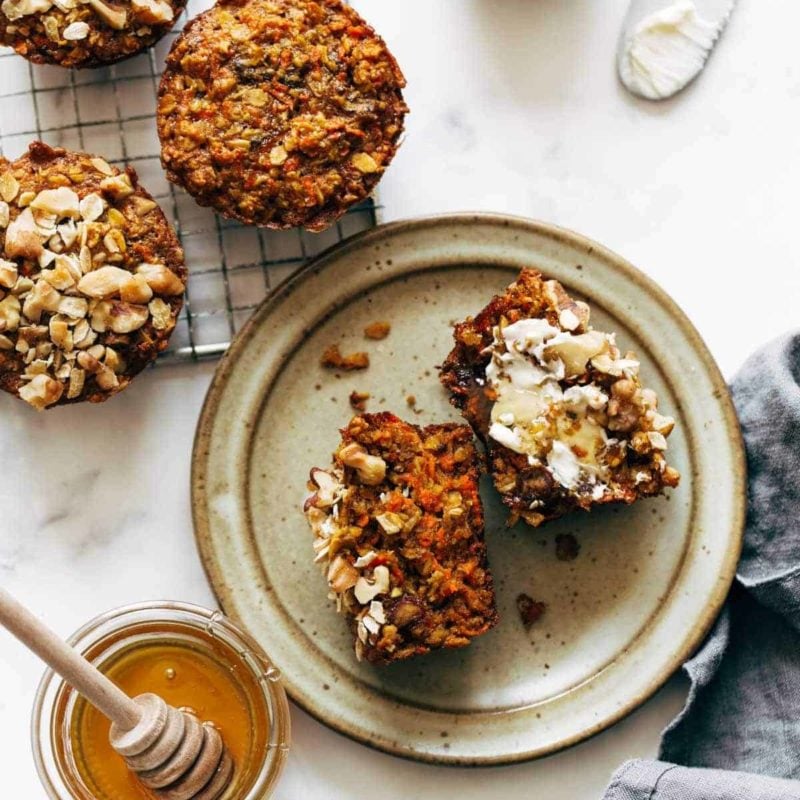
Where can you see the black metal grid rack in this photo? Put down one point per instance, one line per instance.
(111, 112)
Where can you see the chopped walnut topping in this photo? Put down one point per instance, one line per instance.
(104, 282)
(72, 294)
(23, 239)
(60, 202)
(118, 186)
(371, 469)
(74, 307)
(43, 297)
(367, 589)
(329, 488)
(41, 391)
(8, 274)
(77, 378)
(134, 289)
(126, 317)
(143, 206)
(341, 575)
(161, 279)
(60, 333)
(161, 314)
(153, 12)
(9, 314)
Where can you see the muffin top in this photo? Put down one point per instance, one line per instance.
(84, 33)
(279, 113)
(91, 277)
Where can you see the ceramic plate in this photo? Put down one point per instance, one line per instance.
(621, 617)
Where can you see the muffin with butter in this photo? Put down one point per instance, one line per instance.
(562, 412)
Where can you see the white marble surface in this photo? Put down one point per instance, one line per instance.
(515, 108)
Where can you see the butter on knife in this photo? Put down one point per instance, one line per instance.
(665, 43)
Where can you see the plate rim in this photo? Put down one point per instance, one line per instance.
(697, 632)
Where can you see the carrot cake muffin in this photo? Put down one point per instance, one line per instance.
(563, 414)
(398, 527)
(84, 33)
(91, 277)
(279, 113)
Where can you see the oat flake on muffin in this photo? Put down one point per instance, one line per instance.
(91, 277)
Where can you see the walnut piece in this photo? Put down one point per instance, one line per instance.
(371, 469)
(342, 575)
(161, 279)
(41, 392)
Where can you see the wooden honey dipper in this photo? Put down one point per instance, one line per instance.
(171, 752)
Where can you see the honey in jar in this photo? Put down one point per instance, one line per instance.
(201, 666)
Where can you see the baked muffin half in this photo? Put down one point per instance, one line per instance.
(84, 33)
(398, 526)
(91, 277)
(279, 113)
(563, 414)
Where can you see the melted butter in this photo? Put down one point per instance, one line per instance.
(532, 415)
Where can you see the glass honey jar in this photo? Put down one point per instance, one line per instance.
(193, 658)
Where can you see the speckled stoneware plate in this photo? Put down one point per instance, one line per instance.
(621, 617)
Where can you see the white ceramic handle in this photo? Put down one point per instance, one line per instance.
(72, 667)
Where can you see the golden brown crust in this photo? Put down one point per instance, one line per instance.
(528, 486)
(278, 113)
(107, 332)
(399, 526)
(39, 36)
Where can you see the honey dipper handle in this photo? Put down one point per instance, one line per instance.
(68, 663)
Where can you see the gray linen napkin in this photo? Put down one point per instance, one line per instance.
(741, 722)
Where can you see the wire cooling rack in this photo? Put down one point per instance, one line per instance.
(111, 112)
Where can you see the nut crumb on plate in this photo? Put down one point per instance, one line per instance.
(530, 610)
(332, 358)
(358, 400)
(398, 529)
(377, 330)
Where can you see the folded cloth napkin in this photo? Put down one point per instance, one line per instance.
(738, 737)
